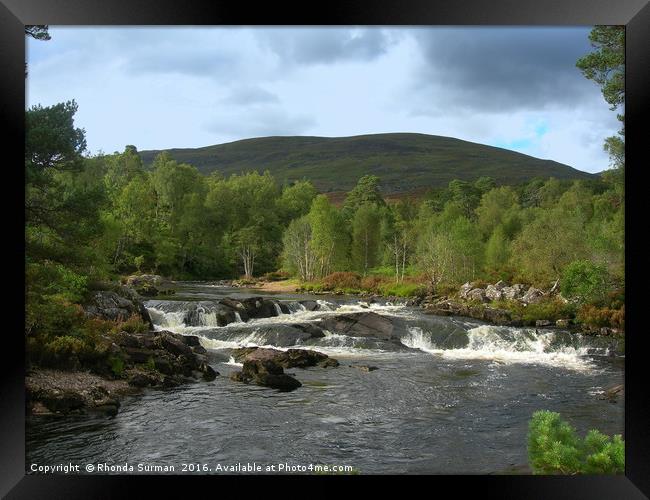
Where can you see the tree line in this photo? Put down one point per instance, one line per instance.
(109, 214)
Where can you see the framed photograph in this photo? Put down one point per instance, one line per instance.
(367, 241)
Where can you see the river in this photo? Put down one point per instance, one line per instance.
(453, 396)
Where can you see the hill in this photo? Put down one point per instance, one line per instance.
(404, 162)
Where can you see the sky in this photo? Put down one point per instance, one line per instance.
(177, 87)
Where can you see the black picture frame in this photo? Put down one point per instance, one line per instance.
(634, 14)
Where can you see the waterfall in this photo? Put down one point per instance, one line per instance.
(507, 345)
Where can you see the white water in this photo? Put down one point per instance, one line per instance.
(232, 362)
(486, 342)
(518, 346)
(327, 306)
(166, 320)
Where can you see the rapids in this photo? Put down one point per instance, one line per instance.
(450, 395)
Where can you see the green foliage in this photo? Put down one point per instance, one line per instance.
(496, 207)
(298, 254)
(330, 239)
(403, 289)
(38, 32)
(49, 279)
(497, 250)
(296, 200)
(116, 364)
(450, 248)
(138, 261)
(548, 243)
(554, 448)
(65, 352)
(366, 225)
(150, 365)
(585, 281)
(366, 192)
(549, 309)
(606, 67)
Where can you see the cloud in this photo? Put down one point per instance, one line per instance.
(260, 123)
(324, 45)
(501, 69)
(247, 94)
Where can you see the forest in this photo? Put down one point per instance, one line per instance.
(107, 215)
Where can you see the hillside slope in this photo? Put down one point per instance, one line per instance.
(404, 161)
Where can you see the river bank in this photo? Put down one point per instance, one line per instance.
(498, 304)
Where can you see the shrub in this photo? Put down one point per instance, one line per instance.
(117, 365)
(480, 283)
(446, 289)
(150, 365)
(342, 280)
(584, 280)
(50, 279)
(550, 309)
(133, 324)
(277, 276)
(385, 271)
(65, 352)
(372, 283)
(592, 315)
(403, 290)
(53, 316)
(138, 261)
(311, 287)
(554, 448)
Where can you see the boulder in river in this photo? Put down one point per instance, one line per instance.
(267, 373)
(280, 335)
(292, 358)
(255, 307)
(310, 305)
(202, 315)
(363, 324)
(614, 392)
(172, 354)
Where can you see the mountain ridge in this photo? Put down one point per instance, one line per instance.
(403, 161)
